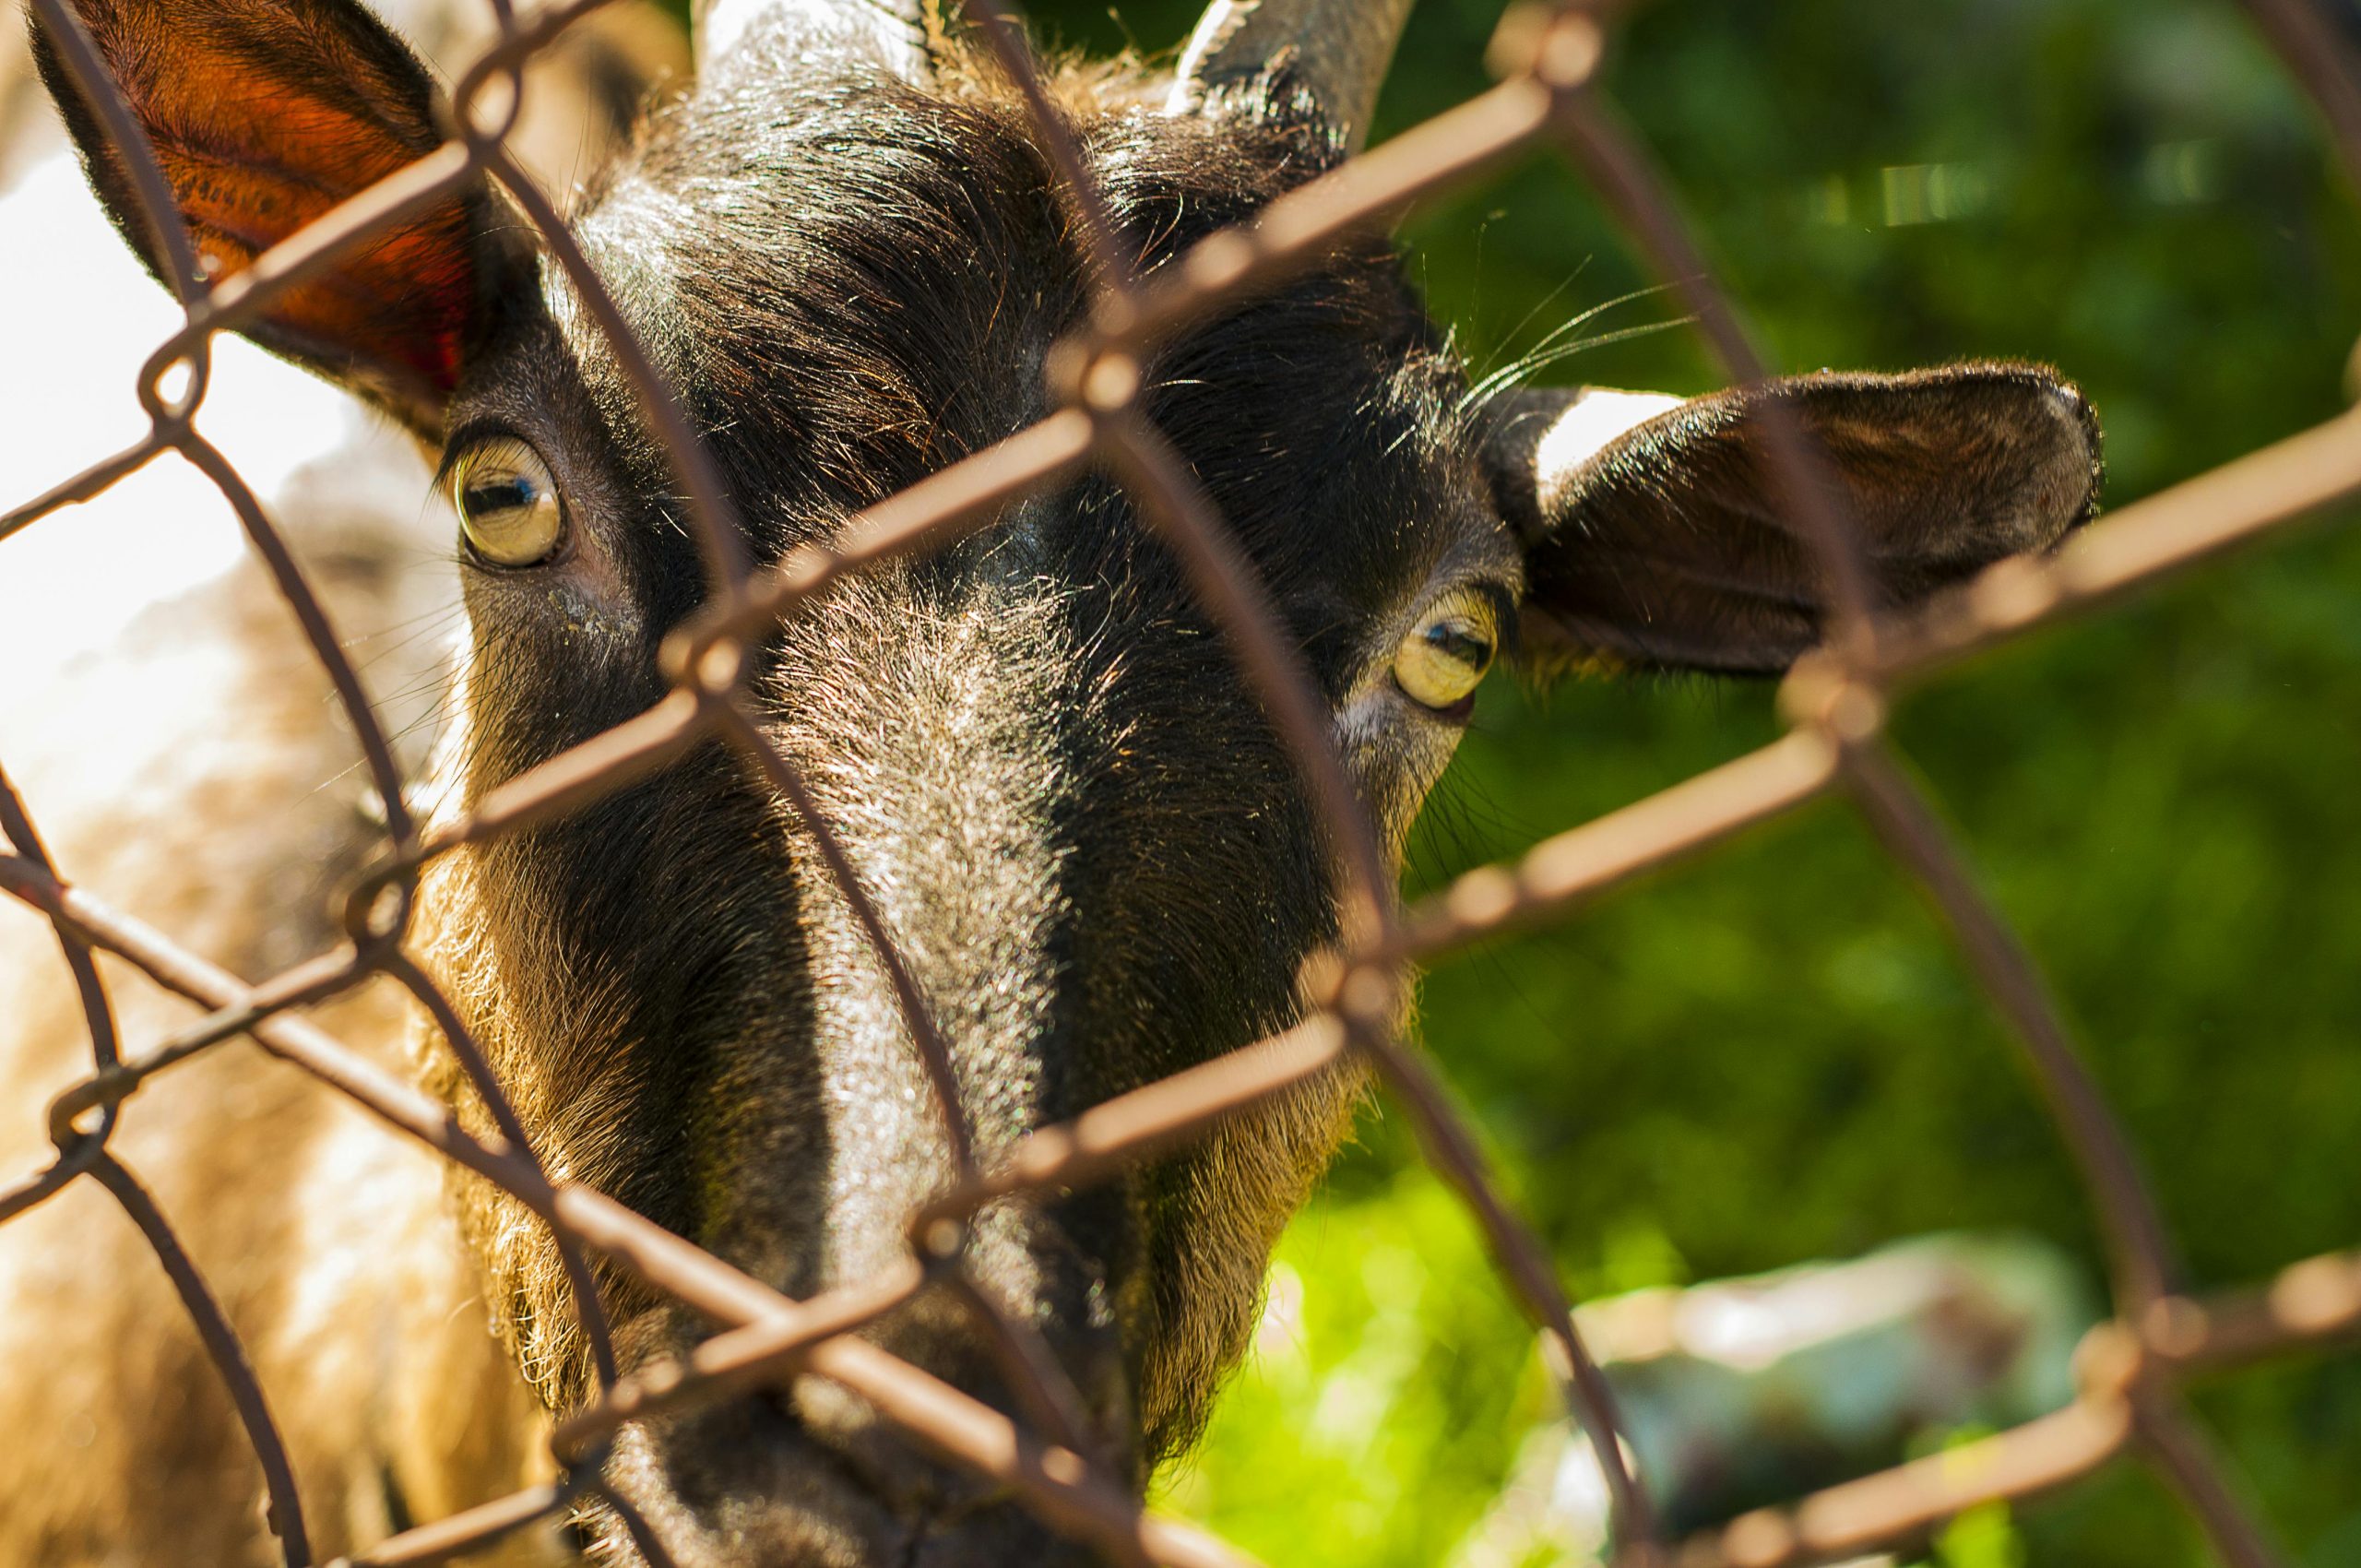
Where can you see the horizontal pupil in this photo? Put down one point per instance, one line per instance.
(501, 495)
(1474, 652)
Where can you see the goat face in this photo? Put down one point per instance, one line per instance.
(847, 252)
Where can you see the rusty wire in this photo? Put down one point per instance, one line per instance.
(2132, 1370)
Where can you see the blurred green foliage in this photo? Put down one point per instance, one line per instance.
(1772, 1054)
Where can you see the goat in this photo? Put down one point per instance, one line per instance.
(847, 248)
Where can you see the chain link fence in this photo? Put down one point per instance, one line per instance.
(2131, 1370)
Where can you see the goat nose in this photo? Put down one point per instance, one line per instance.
(1057, 1375)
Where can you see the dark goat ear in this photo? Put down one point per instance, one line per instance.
(1666, 544)
(266, 113)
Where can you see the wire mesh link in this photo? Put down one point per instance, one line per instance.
(2131, 1369)
(79, 1151)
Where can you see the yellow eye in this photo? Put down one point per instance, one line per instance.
(1443, 660)
(507, 503)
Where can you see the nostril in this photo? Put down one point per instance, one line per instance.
(874, 1455)
(1045, 1390)
(803, 1471)
(1054, 1380)
(774, 1411)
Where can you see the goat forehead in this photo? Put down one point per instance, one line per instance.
(838, 343)
(854, 283)
(823, 218)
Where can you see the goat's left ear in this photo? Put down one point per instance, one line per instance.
(266, 113)
(1656, 533)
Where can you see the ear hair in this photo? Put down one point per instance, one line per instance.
(266, 113)
(1667, 544)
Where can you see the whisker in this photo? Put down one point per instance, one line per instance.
(1533, 359)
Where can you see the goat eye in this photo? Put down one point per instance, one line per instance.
(507, 503)
(1443, 660)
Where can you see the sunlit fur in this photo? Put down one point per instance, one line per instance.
(1084, 838)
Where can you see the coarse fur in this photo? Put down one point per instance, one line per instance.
(1079, 829)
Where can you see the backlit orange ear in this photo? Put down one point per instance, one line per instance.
(266, 113)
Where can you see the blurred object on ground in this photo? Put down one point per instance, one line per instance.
(1740, 1393)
